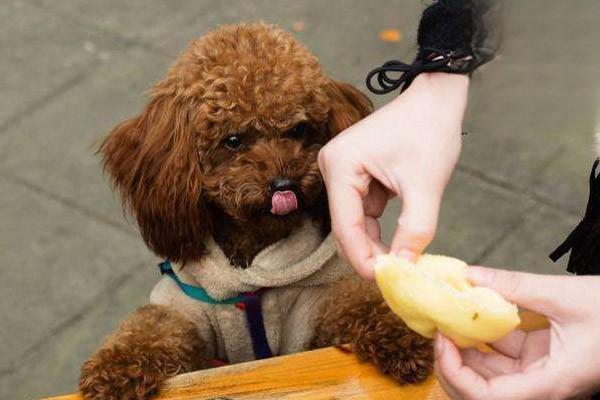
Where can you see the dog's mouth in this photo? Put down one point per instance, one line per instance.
(283, 202)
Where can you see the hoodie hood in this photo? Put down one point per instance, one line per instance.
(302, 259)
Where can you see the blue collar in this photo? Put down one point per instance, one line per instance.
(195, 292)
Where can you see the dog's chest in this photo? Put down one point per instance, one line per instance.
(289, 316)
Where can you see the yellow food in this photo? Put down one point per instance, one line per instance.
(434, 294)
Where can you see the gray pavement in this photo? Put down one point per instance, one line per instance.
(72, 266)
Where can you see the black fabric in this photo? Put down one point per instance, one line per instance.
(448, 24)
(584, 241)
(471, 27)
(455, 36)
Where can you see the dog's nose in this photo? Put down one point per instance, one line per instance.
(282, 184)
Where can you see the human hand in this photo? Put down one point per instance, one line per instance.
(408, 148)
(556, 363)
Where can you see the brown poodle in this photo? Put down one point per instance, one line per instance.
(220, 172)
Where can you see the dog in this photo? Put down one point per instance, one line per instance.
(220, 173)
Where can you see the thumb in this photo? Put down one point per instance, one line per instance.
(539, 293)
(416, 225)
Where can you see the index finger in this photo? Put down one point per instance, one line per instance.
(348, 224)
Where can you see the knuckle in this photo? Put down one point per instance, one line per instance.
(326, 154)
(323, 156)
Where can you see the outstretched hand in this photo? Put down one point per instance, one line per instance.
(409, 149)
(556, 363)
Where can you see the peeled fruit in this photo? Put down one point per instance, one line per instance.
(434, 294)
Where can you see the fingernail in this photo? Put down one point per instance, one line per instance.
(480, 276)
(439, 345)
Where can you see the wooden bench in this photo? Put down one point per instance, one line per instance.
(326, 374)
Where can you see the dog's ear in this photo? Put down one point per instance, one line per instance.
(348, 106)
(153, 162)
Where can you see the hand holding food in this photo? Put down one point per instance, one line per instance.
(433, 294)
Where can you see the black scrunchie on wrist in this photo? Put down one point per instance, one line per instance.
(446, 40)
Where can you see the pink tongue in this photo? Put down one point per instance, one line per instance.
(283, 203)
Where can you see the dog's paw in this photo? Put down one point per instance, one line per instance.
(124, 374)
(397, 351)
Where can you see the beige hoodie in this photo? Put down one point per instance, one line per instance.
(297, 270)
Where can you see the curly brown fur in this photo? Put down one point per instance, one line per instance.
(176, 174)
(152, 345)
(181, 179)
(354, 312)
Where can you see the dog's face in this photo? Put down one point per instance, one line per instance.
(236, 125)
(272, 174)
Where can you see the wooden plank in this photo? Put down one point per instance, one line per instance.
(314, 375)
(323, 374)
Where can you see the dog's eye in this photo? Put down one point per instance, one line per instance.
(297, 132)
(233, 142)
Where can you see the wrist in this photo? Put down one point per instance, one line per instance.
(440, 92)
(444, 93)
(444, 82)
(434, 97)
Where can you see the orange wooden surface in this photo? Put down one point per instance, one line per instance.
(316, 375)
(320, 374)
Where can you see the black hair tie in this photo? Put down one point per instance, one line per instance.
(428, 60)
(453, 36)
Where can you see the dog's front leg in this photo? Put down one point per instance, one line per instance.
(354, 313)
(154, 343)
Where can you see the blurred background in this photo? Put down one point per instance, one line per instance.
(72, 266)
